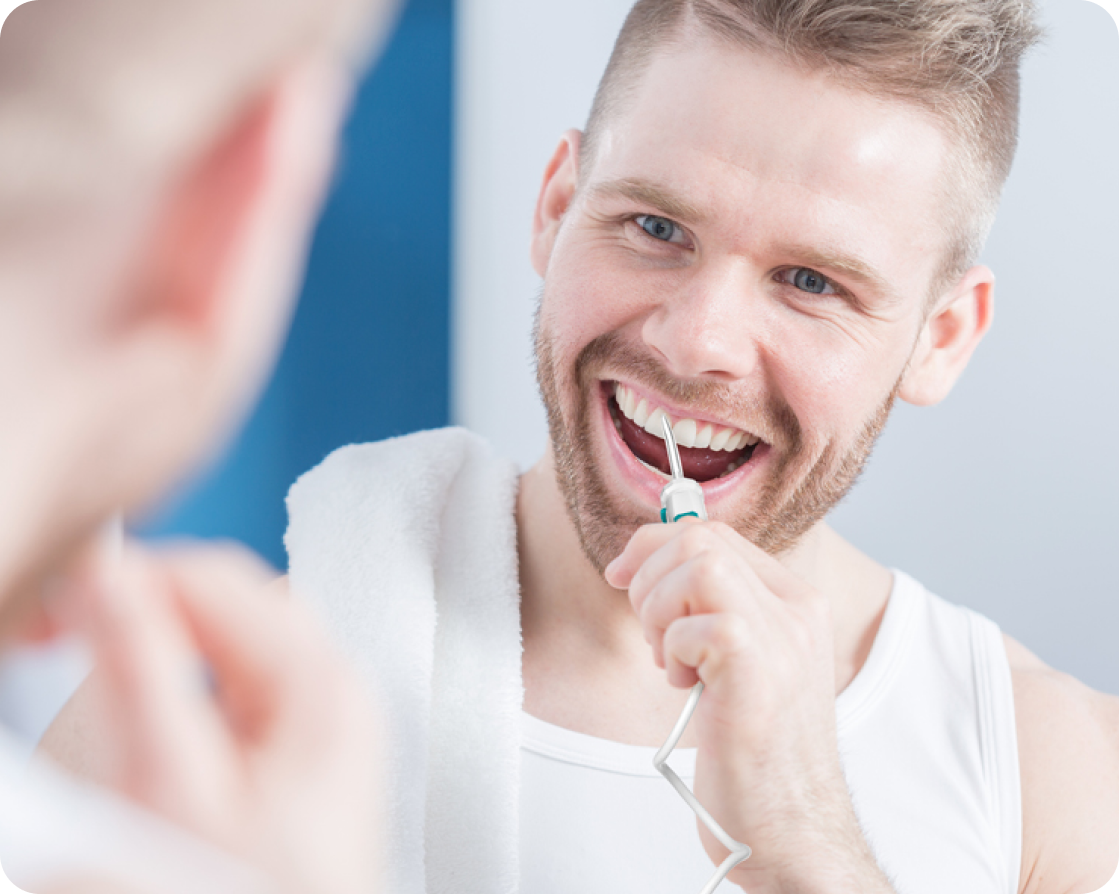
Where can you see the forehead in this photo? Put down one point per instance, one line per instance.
(779, 153)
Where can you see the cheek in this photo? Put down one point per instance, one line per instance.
(588, 294)
(831, 377)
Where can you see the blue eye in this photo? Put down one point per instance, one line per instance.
(810, 281)
(660, 228)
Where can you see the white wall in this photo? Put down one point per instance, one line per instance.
(526, 72)
(1002, 497)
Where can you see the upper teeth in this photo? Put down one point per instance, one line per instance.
(688, 432)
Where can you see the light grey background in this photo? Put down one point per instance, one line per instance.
(1001, 498)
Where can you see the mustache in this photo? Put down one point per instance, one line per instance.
(770, 418)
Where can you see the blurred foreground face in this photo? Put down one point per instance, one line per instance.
(162, 168)
(149, 257)
(752, 249)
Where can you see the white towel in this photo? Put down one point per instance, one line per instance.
(408, 549)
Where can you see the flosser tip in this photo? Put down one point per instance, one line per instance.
(671, 448)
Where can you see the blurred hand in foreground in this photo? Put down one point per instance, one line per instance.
(223, 708)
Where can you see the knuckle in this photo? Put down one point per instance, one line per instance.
(696, 539)
(708, 570)
(728, 633)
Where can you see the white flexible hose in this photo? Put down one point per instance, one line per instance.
(694, 494)
(738, 851)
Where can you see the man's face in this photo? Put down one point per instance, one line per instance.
(752, 250)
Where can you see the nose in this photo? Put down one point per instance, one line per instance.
(713, 328)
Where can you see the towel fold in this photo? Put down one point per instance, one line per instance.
(407, 548)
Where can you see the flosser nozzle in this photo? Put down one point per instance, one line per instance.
(681, 497)
(673, 450)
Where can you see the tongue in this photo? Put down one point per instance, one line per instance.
(699, 463)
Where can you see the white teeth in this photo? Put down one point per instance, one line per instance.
(641, 413)
(653, 424)
(720, 438)
(684, 432)
(688, 432)
(625, 399)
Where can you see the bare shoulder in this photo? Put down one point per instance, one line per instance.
(1068, 747)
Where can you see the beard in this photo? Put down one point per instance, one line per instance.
(803, 485)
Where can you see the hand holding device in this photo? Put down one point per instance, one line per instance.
(730, 621)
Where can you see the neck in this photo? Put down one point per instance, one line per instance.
(584, 651)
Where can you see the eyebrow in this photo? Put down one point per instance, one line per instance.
(651, 194)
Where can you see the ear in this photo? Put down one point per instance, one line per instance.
(561, 178)
(198, 227)
(212, 284)
(948, 338)
(191, 332)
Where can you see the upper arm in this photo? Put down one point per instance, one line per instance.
(1068, 748)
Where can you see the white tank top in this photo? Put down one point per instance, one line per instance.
(929, 747)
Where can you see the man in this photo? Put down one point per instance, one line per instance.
(161, 169)
(768, 232)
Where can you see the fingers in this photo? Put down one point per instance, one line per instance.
(265, 654)
(169, 743)
(716, 567)
(702, 592)
(647, 540)
(277, 676)
(774, 576)
(699, 647)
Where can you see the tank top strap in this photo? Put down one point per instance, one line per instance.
(928, 735)
(999, 736)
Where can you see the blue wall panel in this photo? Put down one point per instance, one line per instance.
(367, 357)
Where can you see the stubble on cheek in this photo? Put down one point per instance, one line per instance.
(802, 487)
(603, 528)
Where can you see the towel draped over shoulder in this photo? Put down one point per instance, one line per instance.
(408, 550)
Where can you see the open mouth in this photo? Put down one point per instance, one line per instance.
(707, 451)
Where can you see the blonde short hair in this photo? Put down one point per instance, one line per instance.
(959, 59)
(97, 95)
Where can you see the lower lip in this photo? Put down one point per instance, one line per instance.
(648, 483)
